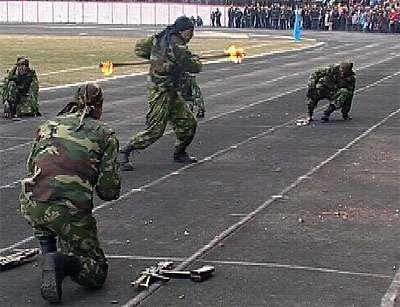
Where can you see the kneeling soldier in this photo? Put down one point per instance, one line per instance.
(335, 83)
(20, 90)
(73, 155)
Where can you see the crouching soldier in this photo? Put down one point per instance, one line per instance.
(73, 155)
(335, 83)
(20, 90)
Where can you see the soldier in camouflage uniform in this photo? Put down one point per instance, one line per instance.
(170, 60)
(20, 90)
(335, 83)
(73, 155)
(190, 89)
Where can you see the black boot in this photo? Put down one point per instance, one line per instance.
(10, 109)
(346, 116)
(124, 155)
(55, 268)
(51, 279)
(328, 112)
(180, 155)
(200, 114)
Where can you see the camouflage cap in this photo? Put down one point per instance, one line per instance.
(89, 94)
(22, 60)
(346, 66)
(87, 97)
(19, 57)
(334, 68)
(181, 24)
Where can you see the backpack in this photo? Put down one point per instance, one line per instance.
(143, 47)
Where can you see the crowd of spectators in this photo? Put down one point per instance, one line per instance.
(365, 16)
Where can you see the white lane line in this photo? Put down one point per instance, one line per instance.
(15, 147)
(389, 299)
(68, 70)
(11, 247)
(227, 232)
(255, 264)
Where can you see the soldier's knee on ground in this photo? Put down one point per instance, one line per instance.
(92, 274)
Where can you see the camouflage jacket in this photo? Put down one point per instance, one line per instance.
(170, 60)
(67, 165)
(329, 78)
(27, 85)
(347, 82)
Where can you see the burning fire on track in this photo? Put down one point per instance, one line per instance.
(235, 54)
(107, 68)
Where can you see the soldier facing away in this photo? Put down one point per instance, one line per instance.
(335, 83)
(73, 155)
(20, 90)
(170, 60)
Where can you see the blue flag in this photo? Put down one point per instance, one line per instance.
(297, 27)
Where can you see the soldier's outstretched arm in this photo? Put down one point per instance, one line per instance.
(108, 185)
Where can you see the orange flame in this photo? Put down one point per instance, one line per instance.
(235, 54)
(107, 68)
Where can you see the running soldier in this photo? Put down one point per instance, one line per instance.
(20, 90)
(335, 83)
(190, 89)
(170, 60)
(73, 155)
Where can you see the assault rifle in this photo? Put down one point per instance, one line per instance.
(17, 258)
(164, 271)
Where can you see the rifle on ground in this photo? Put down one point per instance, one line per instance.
(164, 271)
(17, 258)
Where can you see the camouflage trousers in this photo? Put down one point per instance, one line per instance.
(25, 105)
(166, 107)
(194, 96)
(341, 98)
(76, 234)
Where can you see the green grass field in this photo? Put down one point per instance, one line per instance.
(64, 60)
